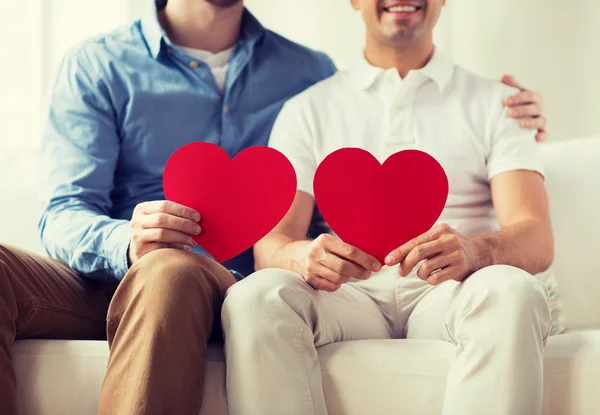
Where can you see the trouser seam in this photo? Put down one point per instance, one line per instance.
(299, 353)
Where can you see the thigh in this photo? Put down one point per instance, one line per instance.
(428, 318)
(280, 297)
(348, 314)
(47, 299)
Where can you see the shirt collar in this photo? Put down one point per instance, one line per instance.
(151, 28)
(439, 69)
(156, 37)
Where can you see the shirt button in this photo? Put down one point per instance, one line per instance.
(226, 109)
(193, 64)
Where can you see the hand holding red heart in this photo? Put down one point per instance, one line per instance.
(374, 208)
(447, 255)
(379, 207)
(240, 200)
(328, 263)
(161, 224)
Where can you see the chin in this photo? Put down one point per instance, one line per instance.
(224, 3)
(399, 36)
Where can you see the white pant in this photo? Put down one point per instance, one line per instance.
(498, 318)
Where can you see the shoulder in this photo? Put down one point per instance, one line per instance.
(97, 52)
(290, 53)
(481, 88)
(318, 97)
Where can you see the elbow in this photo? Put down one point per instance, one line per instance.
(548, 259)
(546, 256)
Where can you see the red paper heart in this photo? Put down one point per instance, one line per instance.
(240, 200)
(375, 207)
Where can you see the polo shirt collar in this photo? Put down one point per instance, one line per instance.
(439, 69)
(156, 38)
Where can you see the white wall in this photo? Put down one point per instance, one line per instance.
(551, 46)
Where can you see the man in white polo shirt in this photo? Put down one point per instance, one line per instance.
(467, 281)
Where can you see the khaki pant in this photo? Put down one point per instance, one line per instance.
(158, 321)
(498, 319)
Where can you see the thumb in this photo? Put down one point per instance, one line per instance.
(511, 81)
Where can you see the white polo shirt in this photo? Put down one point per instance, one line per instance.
(457, 117)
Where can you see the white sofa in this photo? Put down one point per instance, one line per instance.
(396, 376)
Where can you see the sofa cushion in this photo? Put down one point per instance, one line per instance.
(376, 376)
(57, 377)
(363, 377)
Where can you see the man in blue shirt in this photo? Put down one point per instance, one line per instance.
(120, 106)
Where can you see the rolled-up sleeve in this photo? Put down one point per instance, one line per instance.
(81, 149)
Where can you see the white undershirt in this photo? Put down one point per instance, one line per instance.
(217, 62)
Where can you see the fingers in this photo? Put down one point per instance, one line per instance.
(418, 254)
(439, 277)
(511, 81)
(168, 207)
(527, 106)
(344, 269)
(535, 124)
(331, 275)
(398, 255)
(179, 246)
(541, 137)
(524, 111)
(164, 236)
(326, 270)
(351, 253)
(168, 221)
(523, 98)
(147, 248)
(162, 224)
(317, 281)
(432, 265)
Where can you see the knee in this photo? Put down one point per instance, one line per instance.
(267, 293)
(166, 275)
(508, 286)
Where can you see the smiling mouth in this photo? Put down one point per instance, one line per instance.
(402, 9)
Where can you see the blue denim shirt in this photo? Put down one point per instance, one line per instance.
(122, 103)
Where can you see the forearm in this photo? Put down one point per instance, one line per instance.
(278, 250)
(90, 242)
(528, 245)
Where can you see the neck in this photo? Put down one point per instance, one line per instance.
(201, 25)
(405, 59)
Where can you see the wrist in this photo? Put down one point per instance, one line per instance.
(485, 253)
(297, 256)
